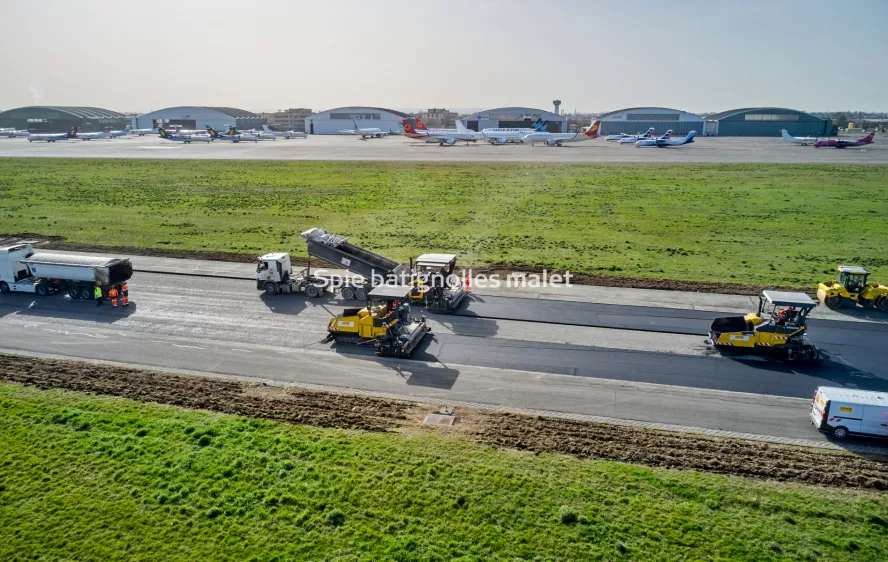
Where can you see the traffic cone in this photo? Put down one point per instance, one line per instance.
(468, 284)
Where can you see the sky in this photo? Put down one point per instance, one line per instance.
(264, 55)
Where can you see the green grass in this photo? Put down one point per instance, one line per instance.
(766, 224)
(97, 478)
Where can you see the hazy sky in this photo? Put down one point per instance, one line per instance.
(264, 55)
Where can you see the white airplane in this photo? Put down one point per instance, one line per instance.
(421, 128)
(662, 143)
(123, 133)
(621, 136)
(371, 132)
(182, 138)
(232, 135)
(285, 134)
(12, 133)
(143, 132)
(503, 135)
(804, 141)
(632, 139)
(558, 139)
(93, 136)
(441, 139)
(53, 137)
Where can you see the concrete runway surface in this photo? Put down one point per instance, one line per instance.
(399, 148)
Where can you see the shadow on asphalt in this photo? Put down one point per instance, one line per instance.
(871, 314)
(829, 372)
(57, 307)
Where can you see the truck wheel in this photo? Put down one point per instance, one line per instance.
(347, 293)
(361, 294)
(312, 291)
(270, 288)
(834, 302)
(42, 290)
(86, 293)
(74, 292)
(840, 432)
(4, 287)
(882, 303)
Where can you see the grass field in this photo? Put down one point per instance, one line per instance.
(767, 224)
(94, 478)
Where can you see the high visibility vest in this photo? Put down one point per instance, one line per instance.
(98, 292)
(112, 293)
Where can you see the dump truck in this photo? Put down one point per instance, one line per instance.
(852, 289)
(384, 322)
(432, 276)
(26, 271)
(779, 329)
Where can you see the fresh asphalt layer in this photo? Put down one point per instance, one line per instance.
(339, 147)
(229, 310)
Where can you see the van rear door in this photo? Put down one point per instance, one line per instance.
(875, 421)
(818, 408)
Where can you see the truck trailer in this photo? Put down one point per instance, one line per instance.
(23, 270)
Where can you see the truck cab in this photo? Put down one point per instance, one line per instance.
(274, 268)
(14, 274)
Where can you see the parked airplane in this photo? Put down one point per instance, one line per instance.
(52, 137)
(116, 134)
(182, 138)
(92, 136)
(503, 135)
(557, 139)
(622, 136)
(232, 135)
(286, 134)
(441, 138)
(804, 141)
(632, 139)
(840, 143)
(420, 126)
(143, 132)
(371, 132)
(12, 133)
(661, 142)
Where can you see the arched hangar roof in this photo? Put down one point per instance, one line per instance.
(347, 107)
(81, 112)
(230, 111)
(519, 109)
(732, 112)
(647, 109)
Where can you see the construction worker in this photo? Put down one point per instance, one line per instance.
(113, 294)
(124, 293)
(100, 296)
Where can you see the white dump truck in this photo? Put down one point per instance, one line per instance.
(23, 270)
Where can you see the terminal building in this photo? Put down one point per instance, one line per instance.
(766, 122)
(515, 117)
(331, 121)
(292, 119)
(635, 120)
(195, 117)
(61, 119)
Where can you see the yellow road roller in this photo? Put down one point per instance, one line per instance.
(852, 289)
(779, 329)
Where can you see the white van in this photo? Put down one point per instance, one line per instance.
(844, 411)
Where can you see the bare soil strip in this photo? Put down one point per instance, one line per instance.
(503, 269)
(538, 434)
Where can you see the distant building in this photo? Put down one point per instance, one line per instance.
(766, 122)
(635, 120)
(197, 117)
(438, 118)
(292, 119)
(61, 119)
(330, 122)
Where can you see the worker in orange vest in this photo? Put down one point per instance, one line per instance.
(124, 293)
(113, 294)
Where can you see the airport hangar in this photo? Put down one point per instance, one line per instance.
(60, 119)
(196, 117)
(766, 122)
(329, 122)
(515, 118)
(635, 120)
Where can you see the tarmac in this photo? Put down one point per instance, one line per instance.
(399, 148)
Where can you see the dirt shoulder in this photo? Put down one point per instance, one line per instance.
(511, 431)
(502, 269)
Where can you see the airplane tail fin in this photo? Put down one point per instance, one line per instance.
(869, 138)
(233, 130)
(592, 132)
(420, 125)
(162, 132)
(785, 134)
(690, 137)
(543, 126)
(212, 131)
(73, 133)
(408, 128)
(266, 129)
(460, 128)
